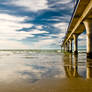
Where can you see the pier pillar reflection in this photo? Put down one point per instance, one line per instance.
(75, 36)
(75, 73)
(89, 69)
(71, 65)
(68, 65)
(88, 26)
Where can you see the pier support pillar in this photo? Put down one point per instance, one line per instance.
(88, 26)
(65, 47)
(75, 36)
(70, 45)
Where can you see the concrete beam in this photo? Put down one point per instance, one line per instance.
(82, 17)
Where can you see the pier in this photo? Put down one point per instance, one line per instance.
(81, 20)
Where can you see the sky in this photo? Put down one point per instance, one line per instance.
(35, 24)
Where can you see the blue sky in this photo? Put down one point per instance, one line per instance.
(34, 24)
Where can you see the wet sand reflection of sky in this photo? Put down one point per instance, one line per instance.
(19, 67)
(44, 72)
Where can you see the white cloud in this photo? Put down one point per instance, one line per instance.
(82, 37)
(36, 31)
(64, 1)
(82, 40)
(20, 35)
(82, 43)
(39, 27)
(63, 26)
(44, 43)
(9, 44)
(63, 5)
(30, 5)
(9, 34)
(9, 26)
(64, 18)
(12, 18)
(10, 23)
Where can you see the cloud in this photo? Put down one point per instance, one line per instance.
(62, 18)
(82, 37)
(62, 26)
(63, 29)
(49, 39)
(20, 35)
(82, 40)
(11, 44)
(10, 34)
(36, 31)
(62, 5)
(64, 1)
(43, 43)
(22, 28)
(10, 23)
(39, 27)
(30, 5)
(8, 17)
(9, 26)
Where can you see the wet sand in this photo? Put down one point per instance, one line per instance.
(50, 85)
(45, 72)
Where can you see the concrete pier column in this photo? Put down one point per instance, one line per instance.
(61, 48)
(64, 48)
(70, 45)
(75, 36)
(88, 26)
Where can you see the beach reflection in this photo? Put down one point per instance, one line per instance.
(29, 67)
(89, 69)
(71, 68)
(71, 64)
(44, 72)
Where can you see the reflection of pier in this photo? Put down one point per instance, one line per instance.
(71, 67)
(81, 20)
(89, 69)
